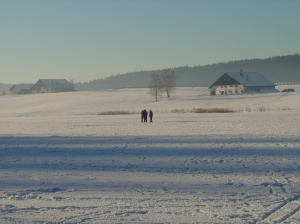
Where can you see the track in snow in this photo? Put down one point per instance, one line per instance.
(285, 211)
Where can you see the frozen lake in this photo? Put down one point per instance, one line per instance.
(60, 162)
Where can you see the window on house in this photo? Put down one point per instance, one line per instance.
(229, 91)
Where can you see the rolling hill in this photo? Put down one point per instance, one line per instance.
(277, 69)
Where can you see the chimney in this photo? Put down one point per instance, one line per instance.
(241, 72)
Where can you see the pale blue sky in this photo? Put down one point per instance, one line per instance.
(90, 39)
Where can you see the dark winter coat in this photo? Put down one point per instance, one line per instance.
(150, 113)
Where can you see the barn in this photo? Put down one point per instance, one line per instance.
(240, 83)
(52, 86)
(20, 89)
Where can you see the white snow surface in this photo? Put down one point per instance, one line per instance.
(60, 162)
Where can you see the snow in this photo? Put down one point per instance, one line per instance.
(60, 162)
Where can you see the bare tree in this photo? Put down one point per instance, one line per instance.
(70, 87)
(168, 79)
(155, 86)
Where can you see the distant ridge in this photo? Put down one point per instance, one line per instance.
(278, 69)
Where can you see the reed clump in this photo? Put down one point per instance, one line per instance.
(213, 110)
(178, 111)
(115, 112)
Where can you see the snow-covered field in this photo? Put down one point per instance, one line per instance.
(60, 162)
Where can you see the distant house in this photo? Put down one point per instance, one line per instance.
(20, 89)
(240, 83)
(52, 86)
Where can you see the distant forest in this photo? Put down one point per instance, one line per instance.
(277, 69)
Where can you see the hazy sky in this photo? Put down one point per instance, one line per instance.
(90, 39)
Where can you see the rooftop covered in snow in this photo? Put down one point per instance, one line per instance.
(250, 79)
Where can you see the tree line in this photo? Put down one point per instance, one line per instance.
(276, 69)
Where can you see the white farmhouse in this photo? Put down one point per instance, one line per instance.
(239, 83)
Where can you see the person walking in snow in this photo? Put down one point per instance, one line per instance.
(150, 115)
(145, 115)
(142, 116)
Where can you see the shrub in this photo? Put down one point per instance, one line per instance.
(248, 109)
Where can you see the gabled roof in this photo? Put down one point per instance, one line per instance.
(22, 86)
(249, 79)
(54, 82)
